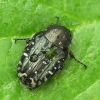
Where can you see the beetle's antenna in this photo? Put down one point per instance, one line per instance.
(72, 56)
(57, 19)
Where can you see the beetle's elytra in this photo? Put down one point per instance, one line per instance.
(44, 55)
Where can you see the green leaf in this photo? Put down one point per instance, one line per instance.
(23, 18)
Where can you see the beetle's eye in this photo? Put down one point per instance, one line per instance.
(33, 58)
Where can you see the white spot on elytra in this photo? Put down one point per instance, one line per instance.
(53, 64)
(59, 43)
(25, 54)
(37, 51)
(39, 83)
(32, 43)
(27, 58)
(18, 68)
(45, 78)
(35, 72)
(46, 29)
(55, 67)
(27, 49)
(30, 68)
(59, 67)
(42, 70)
(33, 83)
(22, 74)
(50, 72)
(20, 63)
(32, 48)
(53, 58)
(58, 61)
(44, 62)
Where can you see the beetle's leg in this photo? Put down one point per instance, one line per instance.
(57, 19)
(72, 56)
(17, 39)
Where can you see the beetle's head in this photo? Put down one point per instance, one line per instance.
(58, 35)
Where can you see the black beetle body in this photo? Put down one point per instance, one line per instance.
(44, 55)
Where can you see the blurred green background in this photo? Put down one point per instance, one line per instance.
(22, 18)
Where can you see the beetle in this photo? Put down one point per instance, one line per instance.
(44, 55)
